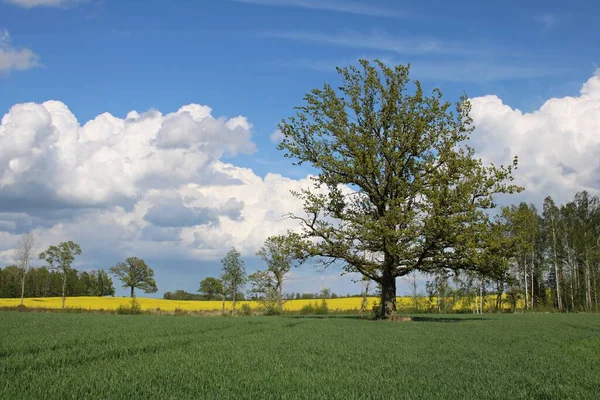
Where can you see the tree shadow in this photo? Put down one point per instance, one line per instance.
(329, 316)
(439, 319)
(448, 320)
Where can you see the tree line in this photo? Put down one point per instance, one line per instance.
(551, 258)
(59, 278)
(41, 282)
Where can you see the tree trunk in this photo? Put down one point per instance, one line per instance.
(22, 288)
(499, 290)
(571, 270)
(280, 294)
(132, 292)
(526, 287)
(388, 295)
(223, 304)
(414, 287)
(64, 289)
(481, 297)
(280, 299)
(588, 284)
(556, 275)
(233, 302)
(532, 278)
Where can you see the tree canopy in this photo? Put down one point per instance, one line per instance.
(278, 253)
(211, 288)
(134, 273)
(60, 259)
(398, 188)
(234, 275)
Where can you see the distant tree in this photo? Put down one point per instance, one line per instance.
(134, 273)
(325, 293)
(60, 258)
(182, 295)
(278, 254)
(102, 284)
(398, 188)
(211, 288)
(263, 287)
(234, 275)
(9, 281)
(23, 256)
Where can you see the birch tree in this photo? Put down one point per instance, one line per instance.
(60, 258)
(23, 255)
(234, 275)
(277, 252)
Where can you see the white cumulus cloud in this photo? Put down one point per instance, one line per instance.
(148, 184)
(558, 145)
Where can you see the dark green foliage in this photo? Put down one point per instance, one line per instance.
(315, 308)
(433, 357)
(307, 309)
(40, 282)
(134, 273)
(211, 288)
(183, 295)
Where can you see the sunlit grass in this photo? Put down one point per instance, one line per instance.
(85, 356)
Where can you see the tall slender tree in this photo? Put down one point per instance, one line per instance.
(23, 255)
(277, 252)
(551, 222)
(60, 258)
(234, 275)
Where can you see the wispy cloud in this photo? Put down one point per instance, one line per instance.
(472, 71)
(341, 6)
(42, 3)
(14, 58)
(381, 41)
(547, 21)
(277, 136)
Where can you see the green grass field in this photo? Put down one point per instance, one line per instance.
(51, 355)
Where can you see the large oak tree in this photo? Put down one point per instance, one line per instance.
(134, 273)
(398, 188)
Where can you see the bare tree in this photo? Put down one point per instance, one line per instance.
(23, 256)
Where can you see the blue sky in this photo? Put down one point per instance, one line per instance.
(257, 58)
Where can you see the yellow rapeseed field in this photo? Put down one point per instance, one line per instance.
(340, 304)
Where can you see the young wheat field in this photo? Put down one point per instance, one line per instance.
(541, 356)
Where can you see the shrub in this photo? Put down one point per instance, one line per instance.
(272, 309)
(133, 308)
(307, 309)
(376, 310)
(245, 309)
(322, 308)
